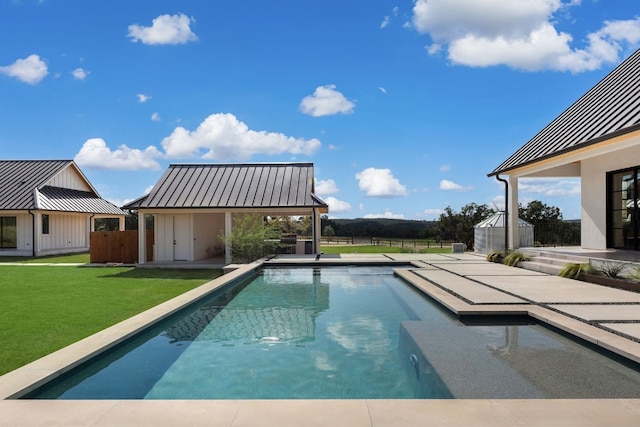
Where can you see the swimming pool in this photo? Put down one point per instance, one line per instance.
(340, 333)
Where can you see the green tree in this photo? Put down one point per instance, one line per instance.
(252, 238)
(547, 222)
(537, 212)
(458, 226)
(328, 231)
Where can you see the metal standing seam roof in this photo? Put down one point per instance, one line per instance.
(609, 109)
(22, 187)
(258, 185)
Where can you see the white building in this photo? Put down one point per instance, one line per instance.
(48, 207)
(597, 139)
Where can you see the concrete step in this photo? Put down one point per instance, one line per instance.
(541, 267)
(550, 262)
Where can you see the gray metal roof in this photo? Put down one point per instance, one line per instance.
(611, 108)
(256, 185)
(67, 200)
(19, 178)
(22, 187)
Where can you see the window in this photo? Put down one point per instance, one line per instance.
(8, 232)
(623, 209)
(45, 224)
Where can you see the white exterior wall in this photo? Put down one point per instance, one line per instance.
(206, 231)
(67, 233)
(594, 189)
(69, 178)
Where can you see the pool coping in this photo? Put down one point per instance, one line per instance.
(321, 412)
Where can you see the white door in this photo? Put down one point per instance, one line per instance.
(180, 237)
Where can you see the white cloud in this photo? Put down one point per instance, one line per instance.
(155, 117)
(142, 98)
(385, 22)
(30, 70)
(498, 202)
(434, 48)
(79, 74)
(445, 168)
(550, 187)
(337, 206)
(519, 34)
(165, 29)
(386, 214)
(326, 101)
(96, 154)
(447, 185)
(380, 183)
(327, 186)
(224, 137)
(432, 213)
(381, 89)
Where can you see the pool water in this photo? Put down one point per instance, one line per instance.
(340, 333)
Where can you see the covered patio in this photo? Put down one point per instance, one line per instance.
(597, 139)
(194, 206)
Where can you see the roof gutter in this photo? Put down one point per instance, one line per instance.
(506, 211)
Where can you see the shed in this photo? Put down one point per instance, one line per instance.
(489, 234)
(194, 204)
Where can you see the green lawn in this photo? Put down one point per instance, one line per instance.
(81, 258)
(46, 308)
(378, 249)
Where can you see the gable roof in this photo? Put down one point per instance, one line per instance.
(256, 185)
(609, 109)
(23, 187)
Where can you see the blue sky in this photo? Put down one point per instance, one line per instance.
(403, 107)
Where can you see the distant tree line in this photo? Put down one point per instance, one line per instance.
(549, 226)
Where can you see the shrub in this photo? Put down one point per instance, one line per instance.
(514, 258)
(574, 270)
(251, 238)
(612, 269)
(635, 276)
(495, 256)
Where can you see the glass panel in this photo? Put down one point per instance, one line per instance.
(8, 232)
(45, 224)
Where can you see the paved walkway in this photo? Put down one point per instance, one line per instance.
(464, 283)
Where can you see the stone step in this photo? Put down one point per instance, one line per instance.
(541, 267)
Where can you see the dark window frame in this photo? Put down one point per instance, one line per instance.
(4, 224)
(45, 223)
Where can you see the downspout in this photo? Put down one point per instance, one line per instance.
(506, 211)
(33, 233)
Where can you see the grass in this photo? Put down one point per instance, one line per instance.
(45, 308)
(376, 249)
(80, 258)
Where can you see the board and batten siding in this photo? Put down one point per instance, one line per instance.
(69, 178)
(66, 231)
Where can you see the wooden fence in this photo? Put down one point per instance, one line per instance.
(117, 246)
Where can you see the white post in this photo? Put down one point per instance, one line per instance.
(514, 232)
(142, 238)
(317, 231)
(227, 233)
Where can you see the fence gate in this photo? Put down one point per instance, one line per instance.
(117, 246)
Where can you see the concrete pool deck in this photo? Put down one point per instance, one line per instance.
(464, 283)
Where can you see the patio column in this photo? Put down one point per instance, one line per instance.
(316, 224)
(514, 236)
(227, 233)
(142, 238)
